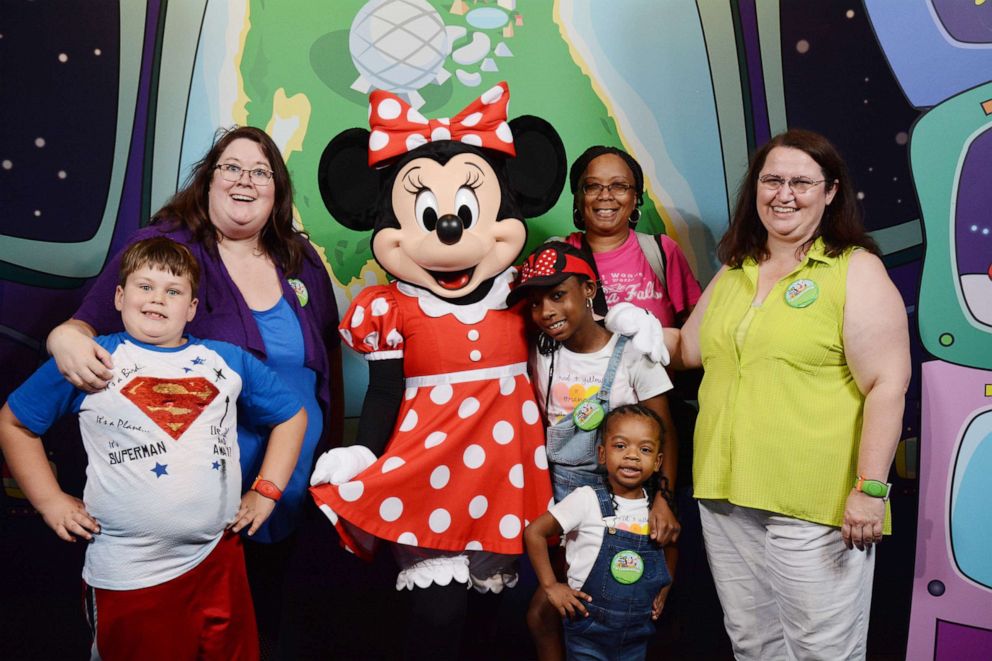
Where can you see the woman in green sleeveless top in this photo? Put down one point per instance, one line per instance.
(804, 344)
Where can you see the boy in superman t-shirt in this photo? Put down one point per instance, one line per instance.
(164, 569)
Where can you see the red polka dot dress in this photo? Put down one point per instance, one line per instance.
(465, 468)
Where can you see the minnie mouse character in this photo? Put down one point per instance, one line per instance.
(450, 463)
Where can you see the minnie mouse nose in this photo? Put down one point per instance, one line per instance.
(449, 229)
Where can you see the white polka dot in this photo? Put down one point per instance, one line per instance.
(410, 421)
(530, 412)
(475, 355)
(478, 506)
(409, 393)
(440, 520)
(444, 120)
(379, 307)
(440, 133)
(392, 464)
(346, 336)
(394, 339)
(472, 139)
(378, 140)
(372, 340)
(391, 509)
(509, 526)
(407, 538)
(517, 476)
(389, 109)
(473, 546)
(413, 115)
(473, 335)
(441, 394)
(504, 133)
(351, 491)
(468, 407)
(541, 458)
(472, 119)
(415, 140)
(358, 316)
(440, 477)
(434, 439)
(474, 456)
(507, 385)
(492, 95)
(502, 432)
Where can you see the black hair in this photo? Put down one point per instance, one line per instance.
(657, 483)
(582, 162)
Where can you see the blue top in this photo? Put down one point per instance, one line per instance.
(284, 353)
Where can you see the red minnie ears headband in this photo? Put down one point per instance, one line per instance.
(398, 128)
(547, 266)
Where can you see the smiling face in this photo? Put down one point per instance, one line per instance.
(561, 311)
(631, 451)
(787, 216)
(449, 240)
(240, 209)
(606, 214)
(155, 306)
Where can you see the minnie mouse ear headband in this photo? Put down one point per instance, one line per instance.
(550, 264)
(398, 128)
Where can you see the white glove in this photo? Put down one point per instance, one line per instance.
(339, 465)
(643, 328)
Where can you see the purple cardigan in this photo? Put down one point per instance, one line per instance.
(223, 314)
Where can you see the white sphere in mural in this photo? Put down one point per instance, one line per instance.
(398, 45)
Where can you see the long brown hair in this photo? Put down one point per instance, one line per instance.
(841, 225)
(189, 207)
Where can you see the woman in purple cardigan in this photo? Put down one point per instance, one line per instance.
(263, 288)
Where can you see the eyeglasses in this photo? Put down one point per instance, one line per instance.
(257, 176)
(799, 185)
(617, 189)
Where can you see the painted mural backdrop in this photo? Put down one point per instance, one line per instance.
(108, 104)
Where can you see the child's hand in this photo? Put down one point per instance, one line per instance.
(255, 509)
(68, 517)
(568, 601)
(665, 528)
(658, 604)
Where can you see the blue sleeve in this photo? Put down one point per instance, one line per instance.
(44, 398)
(264, 398)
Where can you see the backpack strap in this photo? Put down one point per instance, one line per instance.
(651, 247)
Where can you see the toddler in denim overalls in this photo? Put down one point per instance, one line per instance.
(620, 571)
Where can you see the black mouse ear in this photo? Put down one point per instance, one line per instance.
(348, 186)
(537, 174)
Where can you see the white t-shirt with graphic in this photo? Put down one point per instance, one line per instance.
(579, 516)
(578, 376)
(163, 477)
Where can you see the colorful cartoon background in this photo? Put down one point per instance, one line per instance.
(108, 104)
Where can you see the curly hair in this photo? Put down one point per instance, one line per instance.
(841, 226)
(189, 207)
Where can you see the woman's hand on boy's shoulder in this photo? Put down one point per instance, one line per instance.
(568, 600)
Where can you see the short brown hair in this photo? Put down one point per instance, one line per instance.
(162, 253)
(841, 226)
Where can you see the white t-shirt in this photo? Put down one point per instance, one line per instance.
(579, 516)
(578, 376)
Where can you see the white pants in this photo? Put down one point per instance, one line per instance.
(789, 588)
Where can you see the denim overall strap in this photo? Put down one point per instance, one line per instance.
(572, 451)
(611, 372)
(619, 623)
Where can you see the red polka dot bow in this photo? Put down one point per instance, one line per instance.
(398, 128)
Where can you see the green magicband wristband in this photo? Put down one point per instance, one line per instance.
(873, 488)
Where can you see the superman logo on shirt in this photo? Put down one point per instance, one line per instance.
(172, 404)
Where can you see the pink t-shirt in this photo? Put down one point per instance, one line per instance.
(626, 276)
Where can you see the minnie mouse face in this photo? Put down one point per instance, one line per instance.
(449, 238)
(448, 198)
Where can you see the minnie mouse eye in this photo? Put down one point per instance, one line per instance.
(467, 205)
(425, 210)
